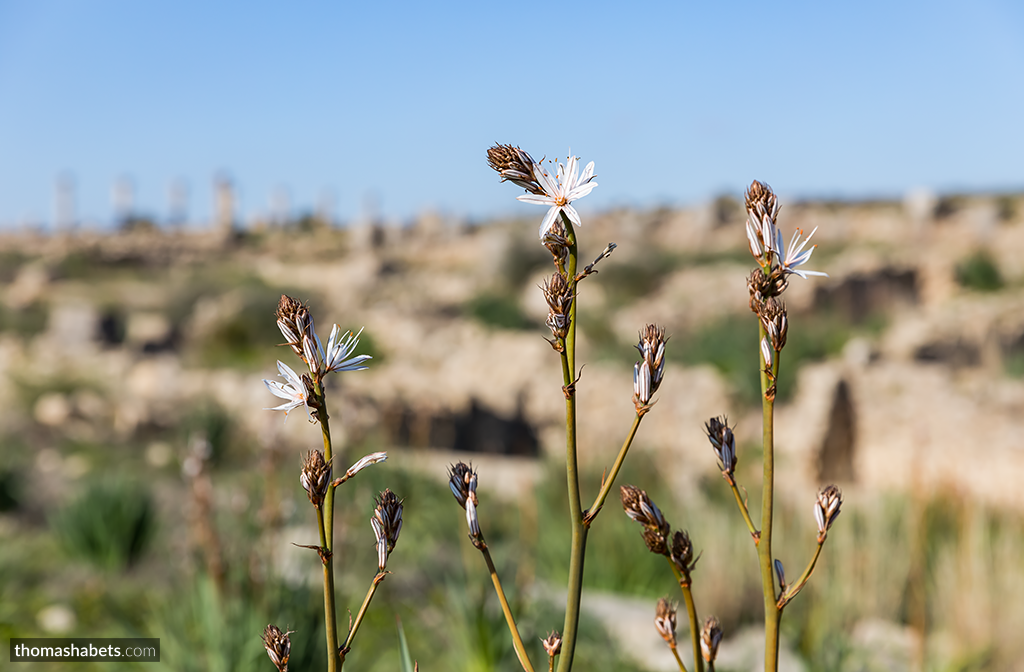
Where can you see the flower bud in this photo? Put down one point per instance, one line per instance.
(710, 637)
(648, 372)
(640, 508)
(826, 509)
(294, 321)
(681, 553)
(516, 166)
(315, 477)
(278, 646)
(665, 621)
(387, 524)
(364, 462)
(723, 441)
(559, 297)
(553, 644)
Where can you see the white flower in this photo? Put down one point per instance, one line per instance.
(294, 390)
(560, 192)
(338, 348)
(795, 254)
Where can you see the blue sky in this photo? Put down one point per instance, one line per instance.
(391, 106)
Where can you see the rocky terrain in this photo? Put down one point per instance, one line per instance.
(919, 384)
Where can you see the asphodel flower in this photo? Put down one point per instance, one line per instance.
(296, 390)
(567, 185)
(552, 645)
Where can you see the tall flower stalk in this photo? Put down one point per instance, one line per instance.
(317, 475)
(557, 186)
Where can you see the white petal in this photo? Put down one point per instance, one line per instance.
(535, 199)
(548, 221)
(574, 216)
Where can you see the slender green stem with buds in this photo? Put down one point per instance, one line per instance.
(609, 480)
(691, 612)
(772, 615)
(795, 587)
(325, 519)
(579, 529)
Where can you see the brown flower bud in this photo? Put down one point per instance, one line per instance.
(681, 553)
(516, 166)
(640, 508)
(553, 644)
(665, 621)
(647, 373)
(315, 477)
(278, 646)
(387, 524)
(559, 295)
(723, 441)
(710, 637)
(826, 509)
(294, 321)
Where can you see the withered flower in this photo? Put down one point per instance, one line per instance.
(315, 477)
(665, 621)
(387, 524)
(826, 509)
(278, 646)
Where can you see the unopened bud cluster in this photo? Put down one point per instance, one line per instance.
(552, 644)
(387, 524)
(723, 441)
(559, 296)
(462, 480)
(516, 166)
(648, 372)
(657, 533)
(710, 638)
(315, 477)
(826, 509)
(665, 621)
(772, 314)
(278, 646)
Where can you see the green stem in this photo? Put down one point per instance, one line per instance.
(609, 481)
(691, 612)
(359, 617)
(574, 589)
(794, 588)
(745, 511)
(679, 661)
(772, 615)
(325, 518)
(510, 620)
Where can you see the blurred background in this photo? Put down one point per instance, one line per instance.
(168, 170)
